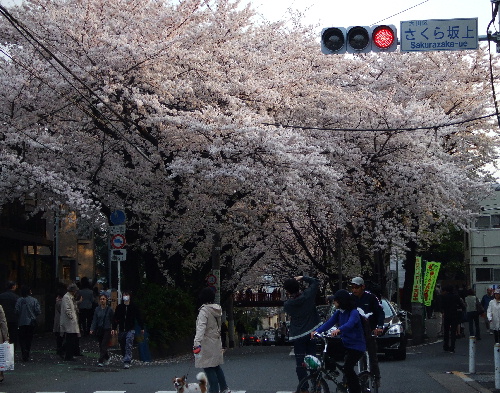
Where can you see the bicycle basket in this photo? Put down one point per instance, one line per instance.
(312, 362)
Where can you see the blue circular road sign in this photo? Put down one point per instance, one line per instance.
(117, 217)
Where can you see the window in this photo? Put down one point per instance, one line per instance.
(483, 222)
(495, 221)
(487, 274)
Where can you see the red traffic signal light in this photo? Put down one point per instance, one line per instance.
(384, 38)
(359, 39)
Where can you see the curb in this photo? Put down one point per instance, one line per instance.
(471, 382)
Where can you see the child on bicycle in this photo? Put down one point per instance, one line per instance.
(350, 329)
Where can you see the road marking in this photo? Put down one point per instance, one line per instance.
(173, 391)
(161, 391)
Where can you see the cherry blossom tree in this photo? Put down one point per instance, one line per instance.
(198, 119)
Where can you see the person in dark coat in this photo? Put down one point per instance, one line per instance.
(127, 314)
(102, 322)
(304, 319)
(27, 309)
(451, 306)
(371, 306)
(240, 329)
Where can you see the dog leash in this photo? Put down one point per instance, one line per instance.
(189, 368)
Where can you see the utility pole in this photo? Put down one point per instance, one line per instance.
(495, 37)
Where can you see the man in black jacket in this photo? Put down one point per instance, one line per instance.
(451, 305)
(126, 316)
(304, 319)
(371, 306)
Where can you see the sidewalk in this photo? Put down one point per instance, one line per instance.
(483, 380)
(43, 351)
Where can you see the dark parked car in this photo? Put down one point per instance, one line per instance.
(391, 343)
(251, 339)
(269, 337)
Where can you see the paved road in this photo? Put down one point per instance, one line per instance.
(250, 369)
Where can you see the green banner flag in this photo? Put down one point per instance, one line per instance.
(431, 274)
(416, 293)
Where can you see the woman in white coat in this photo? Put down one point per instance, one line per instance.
(207, 342)
(493, 315)
(4, 333)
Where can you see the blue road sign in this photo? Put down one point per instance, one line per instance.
(438, 35)
(117, 217)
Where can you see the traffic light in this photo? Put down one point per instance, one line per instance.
(384, 38)
(359, 39)
(333, 40)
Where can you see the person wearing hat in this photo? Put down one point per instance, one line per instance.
(350, 329)
(371, 306)
(68, 323)
(304, 319)
(493, 315)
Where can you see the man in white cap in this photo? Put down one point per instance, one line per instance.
(371, 306)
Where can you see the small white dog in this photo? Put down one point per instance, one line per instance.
(181, 385)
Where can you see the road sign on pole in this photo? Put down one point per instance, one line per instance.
(117, 217)
(118, 241)
(117, 229)
(119, 255)
(438, 35)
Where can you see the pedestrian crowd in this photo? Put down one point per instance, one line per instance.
(358, 318)
(78, 311)
(455, 308)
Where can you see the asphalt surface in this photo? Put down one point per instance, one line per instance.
(479, 374)
(44, 361)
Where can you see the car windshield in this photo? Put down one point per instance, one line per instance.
(388, 310)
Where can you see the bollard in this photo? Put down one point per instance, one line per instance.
(472, 354)
(497, 366)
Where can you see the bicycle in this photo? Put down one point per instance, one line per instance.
(325, 368)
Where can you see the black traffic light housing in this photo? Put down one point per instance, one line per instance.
(359, 39)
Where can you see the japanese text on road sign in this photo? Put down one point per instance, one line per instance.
(438, 35)
(119, 255)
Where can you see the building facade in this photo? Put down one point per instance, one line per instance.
(40, 250)
(482, 254)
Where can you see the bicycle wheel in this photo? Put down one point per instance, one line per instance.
(367, 382)
(313, 383)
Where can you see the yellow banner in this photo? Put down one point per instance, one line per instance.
(431, 274)
(416, 293)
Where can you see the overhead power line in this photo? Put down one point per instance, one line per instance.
(433, 127)
(44, 50)
(400, 12)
